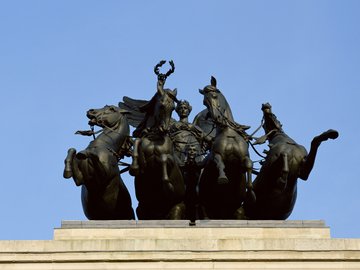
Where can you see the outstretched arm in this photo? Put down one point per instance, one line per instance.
(161, 83)
(162, 77)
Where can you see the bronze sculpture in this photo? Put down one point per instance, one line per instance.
(103, 193)
(225, 182)
(159, 184)
(286, 161)
(186, 170)
(185, 134)
(189, 143)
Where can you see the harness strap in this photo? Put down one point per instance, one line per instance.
(253, 147)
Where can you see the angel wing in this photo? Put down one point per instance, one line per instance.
(139, 111)
(134, 107)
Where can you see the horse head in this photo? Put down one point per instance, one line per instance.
(106, 117)
(271, 123)
(216, 103)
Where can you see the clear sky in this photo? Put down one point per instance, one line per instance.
(60, 58)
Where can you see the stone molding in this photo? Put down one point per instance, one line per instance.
(176, 245)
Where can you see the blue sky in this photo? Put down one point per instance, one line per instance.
(60, 58)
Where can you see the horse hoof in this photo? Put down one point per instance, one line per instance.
(68, 161)
(67, 174)
(222, 180)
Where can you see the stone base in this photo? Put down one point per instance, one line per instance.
(177, 245)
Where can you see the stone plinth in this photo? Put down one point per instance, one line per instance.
(177, 245)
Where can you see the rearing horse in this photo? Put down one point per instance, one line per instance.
(159, 183)
(226, 179)
(286, 161)
(103, 193)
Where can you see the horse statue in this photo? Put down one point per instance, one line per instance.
(104, 195)
(275, 185)
(159, 183)
(225, 182)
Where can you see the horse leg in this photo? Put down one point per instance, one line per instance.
(165, 177)
(250, 195)
(72, 168)
(309, 161)
(282, 180)
(177, 212)
(222, 179)
(68, 163)
(134, 167)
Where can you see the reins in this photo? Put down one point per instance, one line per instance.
(253, 147)
(225, 121)
(249, 137)
(120, 163)
(256, 130)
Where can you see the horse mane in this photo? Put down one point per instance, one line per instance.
(227, 116)
(227, 110)
(271, 122)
